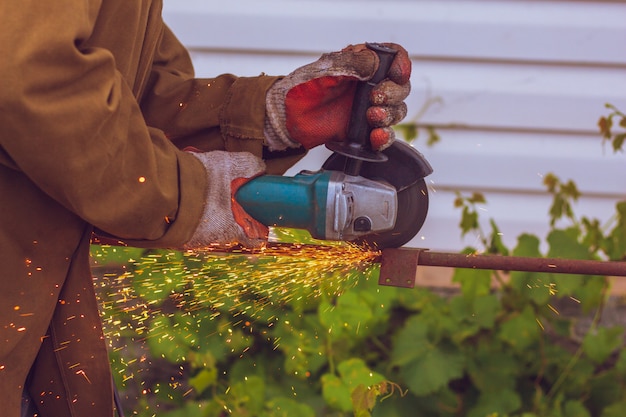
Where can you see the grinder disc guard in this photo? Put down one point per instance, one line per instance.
(405, 169)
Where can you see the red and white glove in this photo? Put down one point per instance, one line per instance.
(312, 105)
(223, 221)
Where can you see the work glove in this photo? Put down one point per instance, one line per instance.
(224, 222)
(312, 105)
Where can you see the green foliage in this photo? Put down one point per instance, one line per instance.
(607, 124)
(410, 129)
(497, 347)
(337, 388)
(564, 195)
(426, 358)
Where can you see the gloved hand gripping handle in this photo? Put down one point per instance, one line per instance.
(357, 147)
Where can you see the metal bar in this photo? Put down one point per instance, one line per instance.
(399, 266)
(516, 263)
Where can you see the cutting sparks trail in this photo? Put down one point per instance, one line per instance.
(250, 286)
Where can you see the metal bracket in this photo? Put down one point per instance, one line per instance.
(398, 267)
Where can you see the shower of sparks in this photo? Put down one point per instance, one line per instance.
(183, 302)
(249, 286)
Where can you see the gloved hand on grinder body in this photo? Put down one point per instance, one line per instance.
(312, 105)
(223, 221)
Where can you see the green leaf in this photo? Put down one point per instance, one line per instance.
(301, 339)
(570, 190)
(575, 409)
(496, 403)
(473, 314)
(363, 400)
(592, 294)
(598, 345)
(381, 299)
(204, 379)
(496, 245)
(521, 331)
(474, 282)
(459, 201)
(336, 393)
(411, 341)
(615, 244)
(492, 368)
(346, 317)
(614, 410)
(355, 372)
(408, 131)
(469, 221)
(425, 366)
(486, 309)
(527, 245)
(551, 182)
(605, 124)
(563, 194)
(477, 198)
(564, 244)
(287, 407)
(438, 366)
(433, 136)
(618, 142)
(593, 233)
(249, 393)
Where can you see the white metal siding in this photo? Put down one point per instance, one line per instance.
(516, 88)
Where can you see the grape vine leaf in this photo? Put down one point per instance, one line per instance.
(522, 330)
(354, 372)
(425, 366)
(598, 345)
(496, 403)
(287, 407)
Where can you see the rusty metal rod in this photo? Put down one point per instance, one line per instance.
(399, 266)
(518, 263)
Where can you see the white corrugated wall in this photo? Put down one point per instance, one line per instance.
(515, 89)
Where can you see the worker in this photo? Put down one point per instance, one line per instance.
(103, 128)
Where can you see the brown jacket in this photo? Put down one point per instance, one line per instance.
(94, 96)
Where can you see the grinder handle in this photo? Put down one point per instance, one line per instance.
(357, 146)
(358, 130)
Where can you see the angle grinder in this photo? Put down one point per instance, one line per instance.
(379, 199)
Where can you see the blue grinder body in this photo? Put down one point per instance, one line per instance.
(297, 202)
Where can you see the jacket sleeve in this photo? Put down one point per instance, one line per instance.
(70, 122)
(221, 113)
